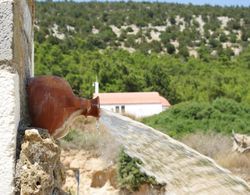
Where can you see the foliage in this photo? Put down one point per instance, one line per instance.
(82, 55)
(170, 48)
(78, 20)
(129, 175)
(222, 115)
(118, 70)
(72, 135)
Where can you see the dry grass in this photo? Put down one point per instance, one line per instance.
(235, 161)
(209, 144)
(81, 140)
(83, 134)
(219, 147)
(88, 135)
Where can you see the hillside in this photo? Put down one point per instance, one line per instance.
(198, 57)
(186, 30)
(146, 47)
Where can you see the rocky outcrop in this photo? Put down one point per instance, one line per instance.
(39, 170)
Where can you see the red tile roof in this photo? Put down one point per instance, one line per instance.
(132, 98)
(164, 101)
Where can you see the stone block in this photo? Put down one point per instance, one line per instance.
(16, 66)
(23, 48)
(9, 120)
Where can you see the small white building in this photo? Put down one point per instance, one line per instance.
(138, 104)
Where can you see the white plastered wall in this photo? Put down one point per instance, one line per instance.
(9, 119)
(138, 110)
(16, 62)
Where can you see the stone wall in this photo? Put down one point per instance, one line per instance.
(16, 65)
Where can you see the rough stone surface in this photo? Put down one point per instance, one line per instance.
(9, 119)
(144, 189)
(182, 169)
(23, 48)
(39, 170)
(6, 27)
(16, 61)
(16, 42)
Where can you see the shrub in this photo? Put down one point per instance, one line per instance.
(223, 37)
(233, 38)
(222, 115)
(172, 20)
(129, 29)
(170, 48)
(129, 175)
(183, 51)
(214, 43)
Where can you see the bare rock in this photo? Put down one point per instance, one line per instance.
(100, 178)
(145, 189)
(39, 170)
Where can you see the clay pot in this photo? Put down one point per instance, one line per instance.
(53, 105)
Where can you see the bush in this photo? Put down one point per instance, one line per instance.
(222, 115)
(214, 43)
(170, 48)
(223, 37)
(129, 175)
(183, 51)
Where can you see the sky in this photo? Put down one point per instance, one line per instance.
(195, 2)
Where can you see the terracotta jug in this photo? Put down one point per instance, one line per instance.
(53, 105)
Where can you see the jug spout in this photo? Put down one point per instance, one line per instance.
(89, 107)
(95, 107)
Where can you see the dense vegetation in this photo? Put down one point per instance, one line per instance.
(148, 47)
(148, 27)
(177, 77)
(222, 115)
(130, 176)
(174, 78)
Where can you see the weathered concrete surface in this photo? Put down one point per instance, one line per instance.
(22, 44)
(39, 170)
(182, 169)
(6, 26)
(9, 119)
(16, 42)
(16, 61)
